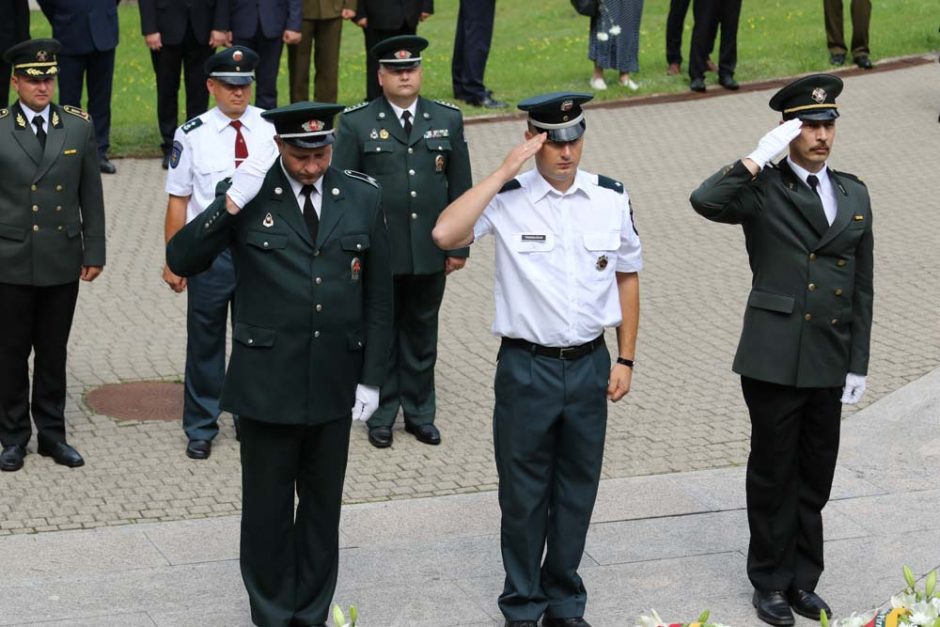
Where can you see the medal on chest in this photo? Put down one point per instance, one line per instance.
(601, 263)
(355, 268)
(268, 221)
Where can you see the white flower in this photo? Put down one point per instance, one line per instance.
(602, 36)
(615, 30)
(903, 600)
(654, 620)
(855, 620)
(923, 613)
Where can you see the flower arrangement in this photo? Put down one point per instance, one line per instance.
(911, 607)
(653, 620)
(339, 619)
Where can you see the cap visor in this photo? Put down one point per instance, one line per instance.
(401, 65)
(248, 79)
(566, 134)
(819, 116)
(310, 142)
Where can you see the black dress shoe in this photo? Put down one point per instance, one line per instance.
(522, 623)
(772, 607)
(697, 84)
(380, 437)
(166, 162)
(808, 604)
(11, 459)
(863, 62)
(488, 103)
(837, 58)
(199, 449)
(61, 453)
(424, 433)
(106, 166)
(728, 82)
(548, 621)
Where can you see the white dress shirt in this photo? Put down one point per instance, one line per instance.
(30, 114)
(206, 155)
(556, 258)
(826, 193)
(316, 198)
(413, 109)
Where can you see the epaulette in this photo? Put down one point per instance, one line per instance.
(192, 124)
(76, 112)
(4, 113)
(851, 177)
(356, 107)
(449, 105)
(609, 183)
(362, 177)
(510, 185)
(222, 186)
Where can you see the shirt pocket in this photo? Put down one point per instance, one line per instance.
(533, 254)
(207, 175)
(266, 241)
(600, 250)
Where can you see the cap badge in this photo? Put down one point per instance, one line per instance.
(567, 105)
(312, 126)
(601, 263)
(403, 54)
(237, 56)
(819, 95)
(42, 55)
(268, 221)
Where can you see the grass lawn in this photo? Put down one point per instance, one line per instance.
(545, 49)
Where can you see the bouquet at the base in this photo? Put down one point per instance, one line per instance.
(911, 607)
(339, 619)
(653, 620)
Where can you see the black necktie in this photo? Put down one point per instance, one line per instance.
(40, 132)
(406, 119)
(813, 182)
(310, 214)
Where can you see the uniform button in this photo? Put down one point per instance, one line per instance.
(33, 187)
(414, 216)
(359, 343)
(835, 320)
(358, 246)
(318, 280)
(251, 341)
(378, 149)
(413, 193)
(411, 172)
(812, 287)
(812, 256)
(265, 244)
(316, 253)
(319, 307)
(410, 150)
(35, 227)
(58, 208)
(840, 263)
(808, 317)
(35, 207)
(60, 227)
(838, 292)
(316, 334)
(58, 188)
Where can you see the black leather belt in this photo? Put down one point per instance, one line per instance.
(568, 353)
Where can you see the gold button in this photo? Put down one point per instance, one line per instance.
(812, 287)
(58, 188)
(34, 188)
(808, 317)
(35, 207)
(834, 320)
(812, 256)
(839, 291)
(35, 227)
(840, 263)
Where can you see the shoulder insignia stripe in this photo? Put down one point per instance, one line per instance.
(355, 107)
(449, 105)
(851, 177)
(609, 183)
(192, 124)
(362, 177)
(76, 112)
(510, 185)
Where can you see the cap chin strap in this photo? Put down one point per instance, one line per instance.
(551, 127)
(305, 134)
(808, 107)
(232, 75)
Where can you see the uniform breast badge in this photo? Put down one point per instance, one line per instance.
(175, 153)
(355, 268)
(374, 134)
(439, 163)
(601, 263)
(268, 221)
(383, 134)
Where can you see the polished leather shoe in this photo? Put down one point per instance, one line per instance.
(697, 84)
(522, 623)
(62, 454)
(106, 166)
(728, 82)
(424, 433)
(11, 459)
(808, 604)
(863, 62)
(772, 607)
(488, 103)
(199, 449)
(673, 69)
(548, 621)
(837, 59)
(380, 437)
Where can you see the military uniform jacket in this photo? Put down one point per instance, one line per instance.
(809, 313)
(326, 9)
(51, 203)
(419, 175)
(311, 319)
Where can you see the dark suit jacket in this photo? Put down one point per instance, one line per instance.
(272, 16)
(419, 175)
(393, 14)
(809, 314)
(14, 27)
(170, 17)
(83, 26)
(312, 319)
(51, 203)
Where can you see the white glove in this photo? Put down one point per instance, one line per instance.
(367, 401)
(774, 142)
(249, 176)
(854, 388)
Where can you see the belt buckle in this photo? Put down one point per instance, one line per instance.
(564, 352)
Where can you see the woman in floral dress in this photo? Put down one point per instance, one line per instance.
(615, 41)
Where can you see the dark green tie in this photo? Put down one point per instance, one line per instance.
(310, 213)
(40, 132)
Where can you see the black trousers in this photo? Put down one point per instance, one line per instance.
(269, 61)
(709, 15)
(189, 57)
(38, 320)
(472, 48)
(289, 559)
(675, 23)
(372, 37)
(794, 445)
(96, 69)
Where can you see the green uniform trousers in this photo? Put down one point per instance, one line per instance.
(323, 36)
(409, 383)
(289, 559)
(835, 35)
(548, 433)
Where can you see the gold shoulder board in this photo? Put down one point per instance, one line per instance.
(76, 112)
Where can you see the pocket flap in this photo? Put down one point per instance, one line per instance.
(385, 146)
(770, 301)
(439, 145)
(16, 233)
(533, 242)
(253, 336)
(73, 229)
(355, 341)
(602, 240)
(355, 243)
(266, 241)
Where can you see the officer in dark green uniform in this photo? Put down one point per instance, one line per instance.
(804, 346)
(313, 318)
(415, 148)
(51, 235)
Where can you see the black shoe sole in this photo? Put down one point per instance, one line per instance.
(11, 467)
(809, 615)
(61, 462)
(380, 443)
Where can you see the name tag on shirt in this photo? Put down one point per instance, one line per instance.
(533, 238)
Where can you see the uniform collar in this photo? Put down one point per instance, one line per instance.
(29, 114)
(802, 173)
(537, 187)
(398, 110)
(222, 121)
(297, 186)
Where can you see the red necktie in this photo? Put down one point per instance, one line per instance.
(241, 148)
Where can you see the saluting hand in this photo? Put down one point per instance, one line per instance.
(618, 384)
(520, 154)
(774, 142)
